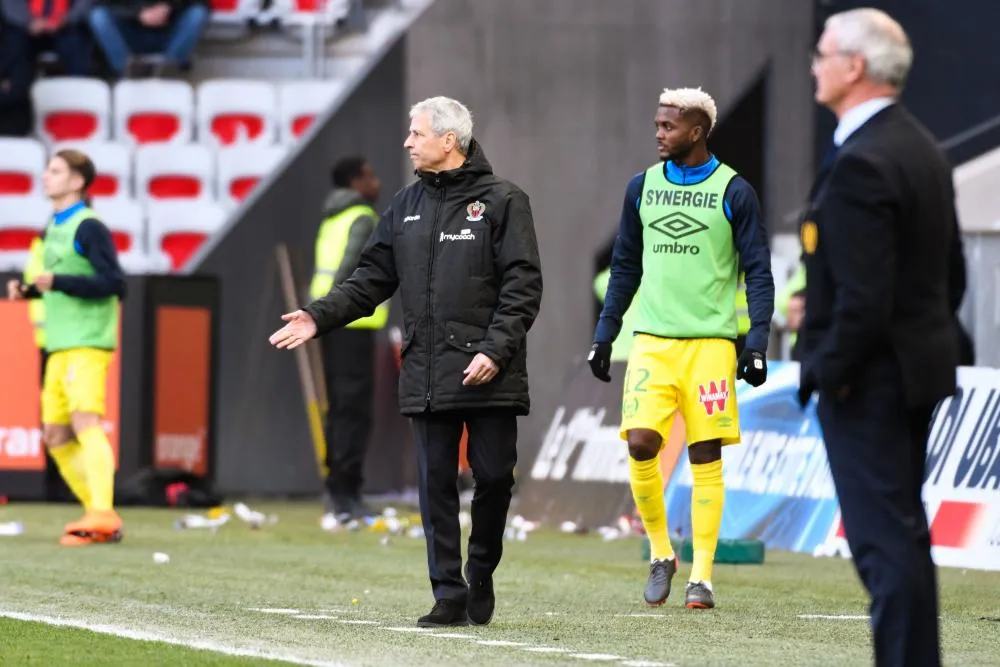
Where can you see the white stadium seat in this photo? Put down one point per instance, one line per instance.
(22, 162)
(72, 109)
(309, 12)
(240, 168)
(299, 103)
(21, 220)
(113, 162)
(179, 228)
(125, 220)
(234, 12)
(167, 171)
(236, 111)
(137, 262)
(154, 111)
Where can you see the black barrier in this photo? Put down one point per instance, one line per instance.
(576, 468)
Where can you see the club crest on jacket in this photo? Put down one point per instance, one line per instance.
(476, 210)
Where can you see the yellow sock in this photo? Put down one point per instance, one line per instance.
(69, 460)
(99, 462)
(707, 498)
(646, 480)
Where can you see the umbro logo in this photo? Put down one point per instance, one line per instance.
(678, 225)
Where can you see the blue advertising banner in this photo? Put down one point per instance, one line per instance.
(778, 484)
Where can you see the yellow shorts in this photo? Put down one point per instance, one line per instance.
(696, 376)
(75, 381)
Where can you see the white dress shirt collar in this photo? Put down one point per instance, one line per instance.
(858, 116)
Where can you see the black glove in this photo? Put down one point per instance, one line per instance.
(752, 367)
(600, 361)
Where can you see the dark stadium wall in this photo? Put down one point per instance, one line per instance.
(563, 94)
(952, 86)
(264, 444)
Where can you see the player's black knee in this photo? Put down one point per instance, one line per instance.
(701, 453)
(644, 444)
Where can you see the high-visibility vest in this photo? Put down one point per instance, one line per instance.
(742, 309)
(795, 283)
(622, 346)
(331, 244)
(36, 307)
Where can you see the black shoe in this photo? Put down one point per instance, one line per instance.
(342, 507)
(444, 613)
(359, 509)
(661, 572)
(481, 599)
(698, 596)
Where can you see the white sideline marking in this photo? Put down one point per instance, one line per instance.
(314, 617)
(144, 636)
(276, 611)
(835, 618)
(354, 621)
(596, 657)
(546, 649)
(641, 615)
(498, 642)
(592, 657)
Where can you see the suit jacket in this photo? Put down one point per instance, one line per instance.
(884, 265)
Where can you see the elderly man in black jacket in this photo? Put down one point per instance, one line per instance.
(885, 273)
(460, 245)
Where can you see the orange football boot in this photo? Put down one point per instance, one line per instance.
(95, 527)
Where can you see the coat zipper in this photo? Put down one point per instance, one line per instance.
(430, 282)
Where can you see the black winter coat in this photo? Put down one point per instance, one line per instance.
(460, 245)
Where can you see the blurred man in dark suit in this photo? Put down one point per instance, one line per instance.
(884, 268)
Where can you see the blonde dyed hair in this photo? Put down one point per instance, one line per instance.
(691, 99)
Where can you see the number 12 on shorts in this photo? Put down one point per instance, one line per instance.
(640, 376)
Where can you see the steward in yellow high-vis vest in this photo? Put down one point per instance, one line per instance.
(348, 353)
(339, 244)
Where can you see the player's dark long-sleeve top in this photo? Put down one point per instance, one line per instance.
(93, 241)
(749, 234)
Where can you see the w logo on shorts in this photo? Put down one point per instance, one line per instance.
(714, 397)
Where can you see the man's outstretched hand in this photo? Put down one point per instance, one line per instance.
(600, 361)
(299, 329)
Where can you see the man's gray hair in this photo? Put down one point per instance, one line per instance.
(447, 115)
(876, 37)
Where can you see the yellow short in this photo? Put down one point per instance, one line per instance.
(696, 376)
(75, 381)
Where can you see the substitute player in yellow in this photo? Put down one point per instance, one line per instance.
(81, 285)
(688, 224)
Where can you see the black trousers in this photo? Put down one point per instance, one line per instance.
(73, 45)
(492, 454)
(877, 448)
(349, 368)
